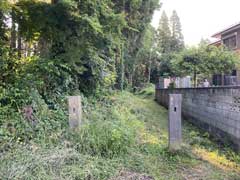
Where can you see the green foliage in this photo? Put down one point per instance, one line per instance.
(177, 42)
(3, 9)
(71, 45)
(170, 42)
(201, 139)
(121, 133)
(164, 34)
(58, 49)
(138, 17)
(166, 67)
(82, 39)
(85, 37)
(8, 64)
(15, 127)
(146, 58)
(206, 60)
(169, 35)
(107, 139)
(148, 91)
(219, 60)
(110, 130)
(189, 62)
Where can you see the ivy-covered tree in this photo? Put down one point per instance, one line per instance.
(138, 17)
(75, 42)
(7, 58)
(3, 6)
(146, 57)
(85, 45)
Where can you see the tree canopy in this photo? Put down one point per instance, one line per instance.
(204, 60)
(59, 46)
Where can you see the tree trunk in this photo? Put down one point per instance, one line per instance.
(122, 68)
(133, 75)
(130, 80)
(149, 73)
(122, 58)
(54, 1)
(13, 31)
(119, 67)
(19, 48)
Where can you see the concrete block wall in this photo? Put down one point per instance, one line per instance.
(214, 109)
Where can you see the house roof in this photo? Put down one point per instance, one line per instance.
(216, 42)
(232, 27)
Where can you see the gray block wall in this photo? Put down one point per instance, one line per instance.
(214, 109)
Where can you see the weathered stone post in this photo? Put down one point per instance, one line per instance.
(75, 111)
(174, 122)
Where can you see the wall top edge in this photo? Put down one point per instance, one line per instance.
(203, 88)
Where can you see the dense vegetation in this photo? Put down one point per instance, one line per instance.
(52, 49)
(124, 136)
(203, 61)
(82, 45)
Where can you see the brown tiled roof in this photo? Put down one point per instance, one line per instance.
(215, 42)
(216, 35)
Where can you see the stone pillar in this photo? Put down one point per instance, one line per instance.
(238, 77)
(75, 111)
(174, 122)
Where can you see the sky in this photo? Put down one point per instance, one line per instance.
(201, 18)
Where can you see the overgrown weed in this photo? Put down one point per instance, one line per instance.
(120, 132)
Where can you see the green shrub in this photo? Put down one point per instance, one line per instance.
(148, 91)
(15, 127)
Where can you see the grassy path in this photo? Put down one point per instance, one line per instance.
(200, 158)
(103, 148)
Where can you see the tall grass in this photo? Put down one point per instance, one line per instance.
(122, 135)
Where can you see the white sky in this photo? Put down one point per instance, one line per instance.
(201, 18)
